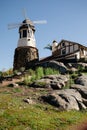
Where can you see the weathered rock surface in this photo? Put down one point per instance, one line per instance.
(77, 65)
(28, 100)
(81, 89)
(52, 81)
(82, 80)
(82, 64)
(56, 65)
(65, 99)
(15, 85)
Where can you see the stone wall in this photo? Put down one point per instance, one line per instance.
(25, 57)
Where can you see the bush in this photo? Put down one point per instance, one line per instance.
(80, 68)
(49, 71)
(31, 72)
(27, 80)
(39, 72)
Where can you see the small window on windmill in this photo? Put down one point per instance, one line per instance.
(24, 33)
(20, 34)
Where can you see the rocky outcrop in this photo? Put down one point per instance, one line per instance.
(82, 80)
(67, 99)
(76, 65)
(81, 89)
(55, 65)
(52, 81)
(25, 57)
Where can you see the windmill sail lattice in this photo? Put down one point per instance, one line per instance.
(16, 25)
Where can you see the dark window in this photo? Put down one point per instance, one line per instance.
(24, 33)
(63, 52)
(63, 44)
(20, 34)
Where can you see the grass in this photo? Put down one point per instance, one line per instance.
(18, 115)
(38, 73)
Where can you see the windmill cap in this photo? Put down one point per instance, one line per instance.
(27, 21)
(25, 24)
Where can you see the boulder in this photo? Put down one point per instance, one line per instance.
(56, 65)
(82, 80)
(77, 65)
(28, 100)
(67, 99)
(14, 85)
(71, 69)
(81, 89)
(83, 64)
(51, 81)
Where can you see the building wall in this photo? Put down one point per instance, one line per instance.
(68, 49)
(77, 55)
(76, 47)
(26, 42)
(71, 49)
(65, 48)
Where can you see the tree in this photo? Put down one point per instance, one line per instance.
(49, 46)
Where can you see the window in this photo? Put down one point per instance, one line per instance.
(20, 34)
(63, 44)
(63, 52)
(24, 33)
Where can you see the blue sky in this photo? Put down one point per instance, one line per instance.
(66, 19)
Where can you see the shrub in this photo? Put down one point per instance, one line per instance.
(33, 78)
(49, 71)
(15, 72)
(22, 69)
(31, 72)
(39, 72)
(27, 80)
(1, 73)
(80, 69)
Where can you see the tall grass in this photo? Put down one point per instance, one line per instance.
(38, 73)
(49, 71)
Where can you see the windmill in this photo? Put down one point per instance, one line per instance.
(26, 53)
(26, 31)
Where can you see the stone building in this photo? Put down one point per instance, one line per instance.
(26, 53)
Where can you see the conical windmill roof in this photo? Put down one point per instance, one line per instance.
(25, 24)
(27, 21)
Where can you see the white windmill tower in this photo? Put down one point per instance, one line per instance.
(26, 53)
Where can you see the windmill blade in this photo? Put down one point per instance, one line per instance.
(14, 25)
(24, 13)
(40, 22)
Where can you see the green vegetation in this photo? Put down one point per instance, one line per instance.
(49, 47)
(39, 72)
(18, 115)
(49, 71)
(15, 114)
